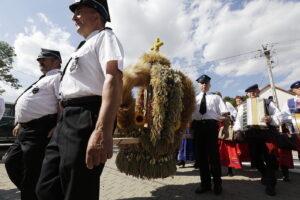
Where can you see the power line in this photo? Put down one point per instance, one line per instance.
(224, 58)
(285, 42)
(246, 53)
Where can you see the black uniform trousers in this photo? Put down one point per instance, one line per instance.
(24, 158)
(207, 147)
(264, 161)
(64, 174)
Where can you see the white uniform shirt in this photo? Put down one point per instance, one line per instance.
(2, 107)
(231, 109)
(274, 113)
(44, 101)
(215, 107)
(286, 115)
(85, 73)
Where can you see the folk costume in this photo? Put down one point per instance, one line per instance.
(64, 173)
(36, 112)
(209, 107)
(186, 150)
(229, 152)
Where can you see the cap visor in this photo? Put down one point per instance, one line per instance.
(74, 6)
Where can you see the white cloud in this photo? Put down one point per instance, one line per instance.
(28, 45)
(228, 33)
(241, 92)
(212, 27)
(228, 82)
(138, 23)
(30, 20)
(194, 32)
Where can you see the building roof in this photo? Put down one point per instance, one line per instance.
(278, 88)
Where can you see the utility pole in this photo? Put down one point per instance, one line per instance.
(267, 54)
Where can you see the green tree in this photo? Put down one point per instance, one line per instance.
(6, 59)
(232, 100)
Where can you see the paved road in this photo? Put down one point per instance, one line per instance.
(115, 185)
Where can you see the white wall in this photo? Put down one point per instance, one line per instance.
(281, 95)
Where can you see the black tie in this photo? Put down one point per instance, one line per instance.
(29, 87)
(78, 47)
(202, 109)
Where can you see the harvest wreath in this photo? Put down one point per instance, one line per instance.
(157, 116)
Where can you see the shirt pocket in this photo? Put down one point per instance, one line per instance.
(74, 65)
(79, 59)
(39, 87)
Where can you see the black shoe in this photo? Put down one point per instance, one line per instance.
(230, 174)
(181, 163)
(286, 179)
(4, 157)
(196, 165)
(263, 181)
(202, 189)
(285, 174)
(218, 189)
(229, 171)
(270, 190)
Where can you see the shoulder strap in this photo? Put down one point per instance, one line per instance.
(79, 46)
(267, 103)
(29, 88)
(291, 105)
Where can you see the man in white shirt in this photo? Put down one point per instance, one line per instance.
(36, 115)
(261, 157)
(82, 142)
(292, 106)
(209, 109)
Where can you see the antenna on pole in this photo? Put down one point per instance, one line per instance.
(267, 54)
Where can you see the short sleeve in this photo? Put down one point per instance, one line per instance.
(56, 84)
(222, 107)
(110, 49)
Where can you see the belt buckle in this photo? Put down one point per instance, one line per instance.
(65, 102)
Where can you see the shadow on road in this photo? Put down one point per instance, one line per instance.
(10, 194)
(239, 188)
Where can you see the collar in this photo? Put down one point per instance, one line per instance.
(52, 72)
(92, 34)
(205, 93)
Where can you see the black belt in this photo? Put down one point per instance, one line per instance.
(80, 101)
(38, 121)
(205, 121)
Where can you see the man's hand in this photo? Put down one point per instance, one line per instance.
(223, 118)
(16, 130)
(99, 149)
(51, 132)
(266, 119)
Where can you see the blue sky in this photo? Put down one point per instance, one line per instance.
(197, 35)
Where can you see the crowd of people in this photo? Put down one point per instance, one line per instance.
(65, 120)
(221, 139)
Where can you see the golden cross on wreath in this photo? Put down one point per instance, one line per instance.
(157, 45)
